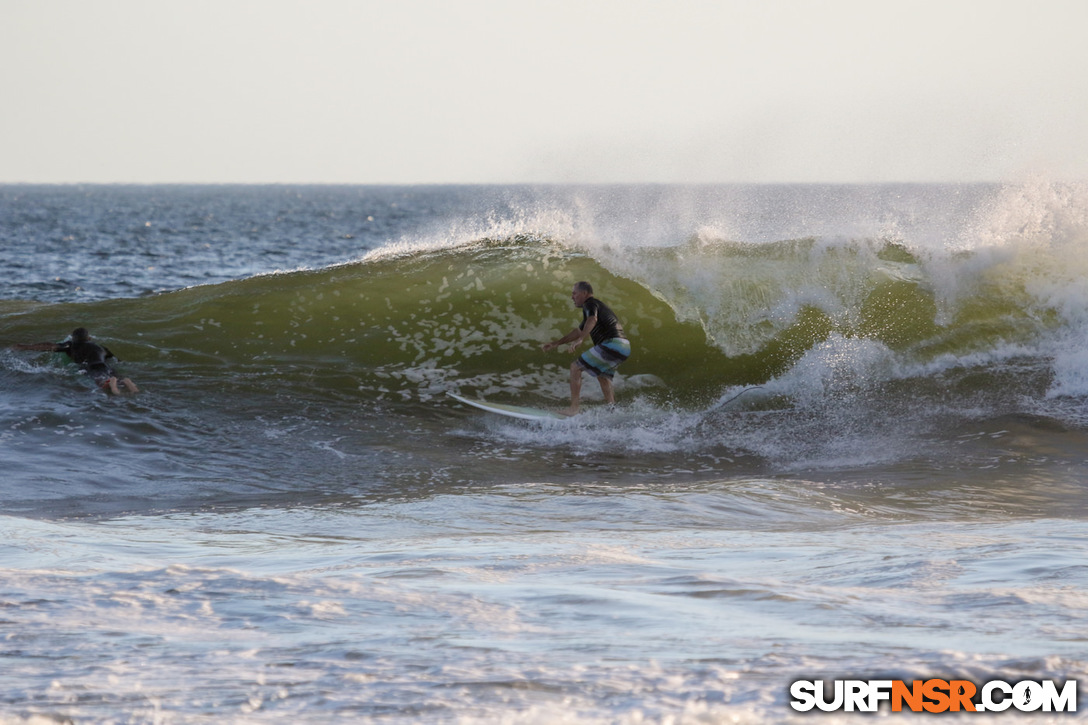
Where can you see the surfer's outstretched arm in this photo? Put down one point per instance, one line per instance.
(40, 346)
(574, 337)
(571, 336)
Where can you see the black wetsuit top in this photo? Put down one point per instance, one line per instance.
(90, 356)
(607, 327)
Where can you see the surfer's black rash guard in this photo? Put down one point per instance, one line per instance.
(607, 327)
(90, 356)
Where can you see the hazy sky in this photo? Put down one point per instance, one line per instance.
(467, 91)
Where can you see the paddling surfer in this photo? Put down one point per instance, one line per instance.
(90, 356)
(610, 347)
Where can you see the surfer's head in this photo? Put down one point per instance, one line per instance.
(80, 334)
(582, 291)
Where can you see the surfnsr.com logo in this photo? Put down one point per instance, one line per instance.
(934, 696)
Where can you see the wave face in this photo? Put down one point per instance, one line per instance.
(915, 313)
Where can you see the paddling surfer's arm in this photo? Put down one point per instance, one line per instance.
(574, 337)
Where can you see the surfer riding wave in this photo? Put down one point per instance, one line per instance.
(610, 347)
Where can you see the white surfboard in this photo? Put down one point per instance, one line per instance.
(512, 411)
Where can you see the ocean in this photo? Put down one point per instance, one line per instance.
(851, 442)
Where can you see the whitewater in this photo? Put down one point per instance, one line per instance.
(851, 442)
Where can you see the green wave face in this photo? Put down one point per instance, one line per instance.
(702, 316)
(402, 325)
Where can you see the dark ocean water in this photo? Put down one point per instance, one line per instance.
(851, 441)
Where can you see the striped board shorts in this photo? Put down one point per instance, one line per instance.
(603, 359)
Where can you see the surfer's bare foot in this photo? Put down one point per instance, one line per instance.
(569, 412)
